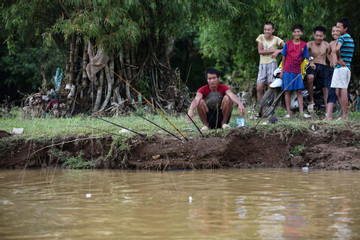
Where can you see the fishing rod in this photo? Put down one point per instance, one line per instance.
(194, 124)
(127, 83)
(157, 125)
(285, 89)
(119, 126)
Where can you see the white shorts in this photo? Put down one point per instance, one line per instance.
(341, 77)
(266, 72)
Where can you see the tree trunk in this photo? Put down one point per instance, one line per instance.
(126, 77)
(169, 50)
(99, 91)
(85, 58)
(117, 83)
(76, 58)
(133, 61)
(109, 85)
(84, 78)
(71, 59)
(43, 85)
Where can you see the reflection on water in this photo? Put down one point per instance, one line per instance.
(217, 204)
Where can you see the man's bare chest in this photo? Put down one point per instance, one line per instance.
(317, 50)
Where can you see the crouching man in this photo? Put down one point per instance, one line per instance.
(213, 103)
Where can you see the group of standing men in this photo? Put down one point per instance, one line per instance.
(334, 81)
(214, 101)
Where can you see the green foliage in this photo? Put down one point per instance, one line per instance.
(23, 66)
(296, 151)
(223, 32)
(76, 162)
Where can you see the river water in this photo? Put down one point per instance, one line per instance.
(211, 204)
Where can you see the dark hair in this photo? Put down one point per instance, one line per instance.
(270, 23)
(297, 26)
(320, 29)
(345, 22)
(211, 71)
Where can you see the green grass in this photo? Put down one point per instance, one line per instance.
(49, 127)
(296, 151)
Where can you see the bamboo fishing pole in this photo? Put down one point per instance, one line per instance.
(194, 124)
(127, 83)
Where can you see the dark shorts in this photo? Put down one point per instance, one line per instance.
(331, 93)
(215, 118)
(321, 75)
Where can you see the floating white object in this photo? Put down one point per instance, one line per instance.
(190, 199)
(88, 195)
(18, 130)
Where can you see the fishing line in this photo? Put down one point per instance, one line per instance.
(88, 195)
(127, 83)
(285, 90)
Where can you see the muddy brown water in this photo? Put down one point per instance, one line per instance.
(200, 204)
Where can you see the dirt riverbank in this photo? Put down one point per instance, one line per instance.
(240, 148)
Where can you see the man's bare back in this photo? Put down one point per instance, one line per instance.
(318, 51)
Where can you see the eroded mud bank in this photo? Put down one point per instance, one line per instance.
(330, 150)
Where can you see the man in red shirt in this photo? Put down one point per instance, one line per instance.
(210, 115)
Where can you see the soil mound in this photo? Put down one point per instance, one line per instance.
(4, 134)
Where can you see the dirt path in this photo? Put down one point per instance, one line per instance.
(330, 150)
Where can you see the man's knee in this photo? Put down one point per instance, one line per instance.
(226, 102)
(310, 78)
(202, 107)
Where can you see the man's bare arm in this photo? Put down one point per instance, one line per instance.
(328, 54)
(339, 59)
(236, 100)
(282, 66)
(194, 104)
(265, 52)
(275, 54)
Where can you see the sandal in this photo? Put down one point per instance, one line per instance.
(204, 129)
(225, 126)
(287, 116)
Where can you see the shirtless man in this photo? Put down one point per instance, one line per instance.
(332, 57)
(318, 69)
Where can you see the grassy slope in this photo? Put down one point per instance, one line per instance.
(47, 127)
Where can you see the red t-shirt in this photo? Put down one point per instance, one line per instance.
(205, 90)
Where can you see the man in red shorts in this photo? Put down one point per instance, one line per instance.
(205, 103)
